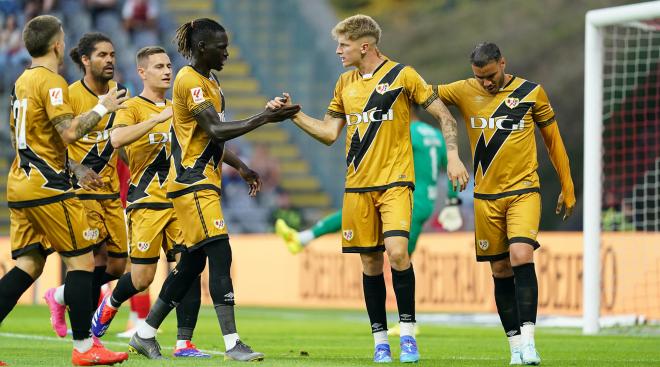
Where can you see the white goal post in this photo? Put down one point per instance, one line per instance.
(596, 20)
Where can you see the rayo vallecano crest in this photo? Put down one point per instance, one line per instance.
(382, 88)
(512, 102)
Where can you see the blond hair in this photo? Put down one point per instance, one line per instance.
(356, 27)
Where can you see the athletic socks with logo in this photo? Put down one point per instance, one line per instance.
(374, 298)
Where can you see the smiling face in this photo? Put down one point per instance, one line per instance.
(491, 76)
(101, 62)
(156, 71)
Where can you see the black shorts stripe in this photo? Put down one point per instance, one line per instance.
(506, 194)
(98, 196)
(396, 233)
(38, 202)
(206, 241)
(152, 206)
(380, 188)
(68, 223)
(118, 255)
(363, 250)
(201, 216)
(188, 190)
(526, 240)
(31, 247)
(144, 261)
(504, 255)
(76, 252)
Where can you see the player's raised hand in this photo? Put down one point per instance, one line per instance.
(457, 173)
(252, 179)
(113, 99)
(567, 205)
(164, 115)
(278, 102)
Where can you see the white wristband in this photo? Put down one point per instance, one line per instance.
(100, 109)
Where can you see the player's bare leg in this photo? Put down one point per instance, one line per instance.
(522, 263)
(403, 280)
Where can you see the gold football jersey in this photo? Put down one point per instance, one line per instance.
(501, 132)
(94, 149)
(197, 159)
(149, 156)
(376, 108)
(38, 174)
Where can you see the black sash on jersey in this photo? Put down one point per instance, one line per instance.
(383, 102)
(158, 167)
(485, 153)
(195, 173)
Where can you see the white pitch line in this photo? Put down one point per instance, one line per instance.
(67, 340)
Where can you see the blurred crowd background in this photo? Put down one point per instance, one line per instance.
(286, 46)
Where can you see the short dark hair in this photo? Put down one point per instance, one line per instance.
(189, 33)
(86, 46)
(145, 52)
(484, 54)
(39, 33)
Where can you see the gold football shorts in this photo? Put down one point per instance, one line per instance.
(107, 216)
(369, 217)
(149, 230)
(200, 217)
(500, 222)
(60, 226)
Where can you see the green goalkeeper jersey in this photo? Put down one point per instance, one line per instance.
(430, 157)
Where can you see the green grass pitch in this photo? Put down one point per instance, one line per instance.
(330, 338)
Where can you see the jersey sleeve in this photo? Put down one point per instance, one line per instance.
(417, 89)
(195, 94)
(449, 93)
(542, 111)
(55, 97)
(127, 116)
(336, 107)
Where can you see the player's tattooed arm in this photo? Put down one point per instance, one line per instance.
(72, 129)
(219, 130)
(447, 123)
(455, 168)
(326, 131)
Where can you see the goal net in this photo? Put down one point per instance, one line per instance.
(622, 154)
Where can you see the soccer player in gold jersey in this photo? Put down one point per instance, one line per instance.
(501, 112)
(45, 214)
(198, 135)
(95, 56)
(373, 101)
(142, 129)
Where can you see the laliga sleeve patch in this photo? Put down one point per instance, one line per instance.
(56, 97)
(197, 95)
